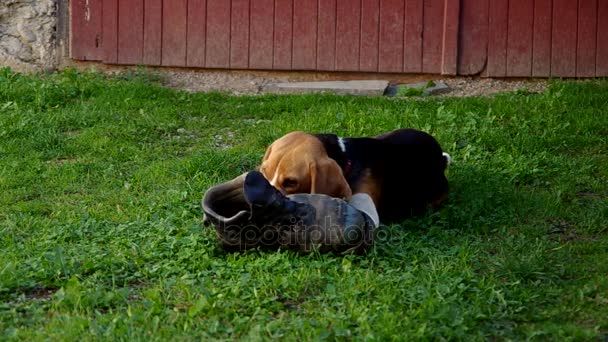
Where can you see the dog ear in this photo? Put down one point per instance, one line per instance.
(326, 177)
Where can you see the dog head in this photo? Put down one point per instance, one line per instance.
(298, 163)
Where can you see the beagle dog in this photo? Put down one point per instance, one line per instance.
(402, 170)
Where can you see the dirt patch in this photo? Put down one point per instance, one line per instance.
(251, 82)
(460, 87)
(41, 293)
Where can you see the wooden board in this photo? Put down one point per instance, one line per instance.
(326, 42)
(587, 38)
(519, 41)
(174, 33)
(153, 14)
(348, 34)
(601, 67)
(196, 35)
(370, 19)
(217, 50)
(473, 37)
(86, 28)
(304, 53)
(497, 38)
(262, 27)
(283, 29)
(414, 20)
(541, 38)
(130, 31)
(449, 49)
(390, 51)
(110, 31)
(433, 36)
(563, 39)
(240, 33)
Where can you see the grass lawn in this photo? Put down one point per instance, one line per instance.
(101, 235)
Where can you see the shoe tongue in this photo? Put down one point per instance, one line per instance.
(258, 191)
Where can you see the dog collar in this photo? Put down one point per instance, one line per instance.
(348, 167)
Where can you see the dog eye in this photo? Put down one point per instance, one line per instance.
(289, 183)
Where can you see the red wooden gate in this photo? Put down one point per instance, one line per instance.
(489, 37)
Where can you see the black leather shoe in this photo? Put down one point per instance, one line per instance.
(248, 212)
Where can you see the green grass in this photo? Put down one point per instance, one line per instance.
(101, 237)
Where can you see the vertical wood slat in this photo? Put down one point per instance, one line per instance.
(497, 38)
(174, 39)
(153, 14)
(370, 19)
(240, 33)
(563, 41)
(587, 38)
(283, 29)
(601, 60)
(348, 34)
(414, 19)
(86, 30)
(110, 31)
(473, 48)
(432, 33)
(541, 51)
(304, 51)
(262, 27)
(196, 36)
(217, 54)
(449, 50)
(326, 41)
(130, 31)
(391, 36)
(520, 37)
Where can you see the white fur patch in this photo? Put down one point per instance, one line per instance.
(342, 144)
(448, 158)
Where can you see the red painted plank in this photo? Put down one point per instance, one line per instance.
(305, 35)
(497, 38)
(130, 31)
(217, 54)
(196, 35)
(432, 32)
(601, 60)
(563, 56)
(175, 21)
(110, 31)
(541, 51)
(153, 10)
(326, 42)
(370, 18)
(519, 40)
(283, 21)
(239, 34)
(391, 36)
(451, 21)
(414, 18)
(348, 33)
(473, 36)
(262, 27)
(86, 30)
(587, 38)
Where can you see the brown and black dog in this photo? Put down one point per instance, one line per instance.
(403, 170)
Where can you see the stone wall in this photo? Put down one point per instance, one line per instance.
(28, 34)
